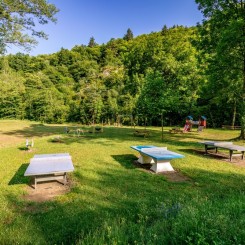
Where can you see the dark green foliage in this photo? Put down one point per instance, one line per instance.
(129, 35)
(92, 42)
(222, 48)
(161, 72)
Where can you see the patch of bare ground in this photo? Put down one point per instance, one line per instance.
(175, 176)
(172, 176)
(7, 140)
(46, 191)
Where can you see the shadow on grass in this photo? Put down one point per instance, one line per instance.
(36, 130)
(222, 155)
(116, 134)
(96, 209)
(19, 177)
(23, 148)
(125, 160)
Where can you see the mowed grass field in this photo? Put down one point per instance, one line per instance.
(111, 200)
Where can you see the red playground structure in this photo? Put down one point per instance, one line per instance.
(202, 123)
(189, 122)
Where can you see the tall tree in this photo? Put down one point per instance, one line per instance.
(18, 20)
(223, 39)
(92, 42)
(129, 35)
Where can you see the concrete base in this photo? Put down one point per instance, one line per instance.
(162, 166)
(143, 159)
(157, 166)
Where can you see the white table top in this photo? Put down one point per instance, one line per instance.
(49, 164)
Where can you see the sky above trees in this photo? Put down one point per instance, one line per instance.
(78, 21)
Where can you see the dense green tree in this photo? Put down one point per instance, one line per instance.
(164, 30)
(92, 42)
(43, 101)
(18, 20)
(149, 74)
(91, 99)
(222, 40)
(129, 35)
(12, 93)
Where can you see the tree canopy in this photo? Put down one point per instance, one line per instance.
(18, 22)
(222, 45)
(175, 72)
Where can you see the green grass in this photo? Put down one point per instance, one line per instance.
(113, 202)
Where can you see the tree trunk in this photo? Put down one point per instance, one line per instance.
(234, 115)
(242, 136)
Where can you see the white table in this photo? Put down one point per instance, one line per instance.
(46, 167)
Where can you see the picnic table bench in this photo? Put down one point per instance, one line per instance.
(46, 167)
(158, 157)
(143, 133)
(234, 150)
(176, 130)
(230, 127)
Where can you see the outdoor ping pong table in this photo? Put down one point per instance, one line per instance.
(159, 157)
(46, 167)
(234, 150)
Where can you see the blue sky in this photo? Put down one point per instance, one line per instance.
(79, 20)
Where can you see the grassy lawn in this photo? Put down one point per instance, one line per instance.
(111, 201)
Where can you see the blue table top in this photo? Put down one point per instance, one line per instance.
(157, 153)
(140, 147)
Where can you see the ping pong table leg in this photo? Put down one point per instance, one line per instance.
(145, 159)
(162, 166)
(231, 152)
(65, 179)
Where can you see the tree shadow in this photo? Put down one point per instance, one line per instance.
(95, 205)
(36, 130)
(126, 160)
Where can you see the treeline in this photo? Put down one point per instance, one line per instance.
(160, 73)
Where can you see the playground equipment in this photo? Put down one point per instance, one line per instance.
(189, 122)
(75, 131)
(202, 123)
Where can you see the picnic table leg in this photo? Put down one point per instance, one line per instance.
(216, 149)
(206, 149)
(231, 152)
(242, 155)
(35, 182)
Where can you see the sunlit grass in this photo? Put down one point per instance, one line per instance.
(111, 201)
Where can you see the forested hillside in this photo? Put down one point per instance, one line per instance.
(144, 77)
